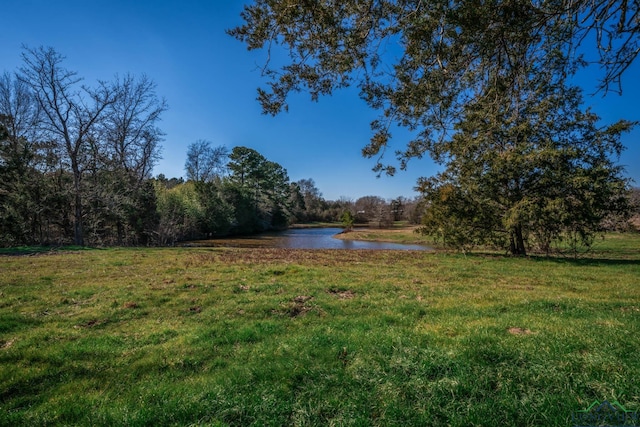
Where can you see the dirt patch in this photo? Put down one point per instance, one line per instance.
(6, 344)
(519, 331)
(297, 307)
(301, 299)
(342, 294)
(131, 304)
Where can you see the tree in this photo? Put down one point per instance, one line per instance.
(129, 129)
(296, 203)
(104, 138)
(347, 219)
(397, 208)
(205, 163)
(314, 204)
(264, 181)
(179, 212)
(70, 115)
(373, 209)
(527, 175)
(205, 166)
(123, 154)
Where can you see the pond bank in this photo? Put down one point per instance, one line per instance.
(311, 238)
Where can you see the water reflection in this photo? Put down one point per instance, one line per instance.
(306, 238)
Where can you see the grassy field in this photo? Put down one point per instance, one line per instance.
(197, 336)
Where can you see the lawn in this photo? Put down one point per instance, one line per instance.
(204, 336)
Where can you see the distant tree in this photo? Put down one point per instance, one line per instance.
(313, 202)
(21, 113)
(4, 135)
(297, 205)
(180, 213)
(634, 201)
(169, 183)
(371, 209)
(246, 216)
(217, 214)
(129, 132)
(124, 152)
(414, 210)
(397, 207)
(205, 163)
(347, 220)
(247, 167)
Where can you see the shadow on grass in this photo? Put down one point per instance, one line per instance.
(36, 250)
(588, 259)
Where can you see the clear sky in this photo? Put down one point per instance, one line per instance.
(209, 81)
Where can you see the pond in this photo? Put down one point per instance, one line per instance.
(305, 238)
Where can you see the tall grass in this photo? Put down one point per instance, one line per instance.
(195, 336)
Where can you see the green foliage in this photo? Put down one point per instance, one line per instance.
(347, 219)
(179, 211)
(254, 197)
(265, 182)
(217, 213)
(246, 215)
(420, 62)
(527, 177)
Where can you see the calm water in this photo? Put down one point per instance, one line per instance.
(307, 238)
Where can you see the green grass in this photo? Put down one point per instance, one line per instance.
(196, 336)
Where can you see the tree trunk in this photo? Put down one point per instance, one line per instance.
(78, 237)
(516, 242)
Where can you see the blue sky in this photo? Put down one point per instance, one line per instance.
(209, 81)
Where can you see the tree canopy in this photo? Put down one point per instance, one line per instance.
(420, 62)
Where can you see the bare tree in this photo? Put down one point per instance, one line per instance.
(129, 129)
(372, 209)
(204, 162)
(70, 113)
(20, 111)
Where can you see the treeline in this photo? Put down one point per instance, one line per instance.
(242, 192)
(76, 163)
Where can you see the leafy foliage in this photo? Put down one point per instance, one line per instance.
(266, 184)
(421, 62)
(529, 177)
